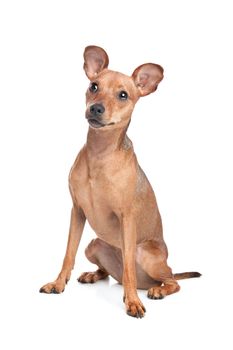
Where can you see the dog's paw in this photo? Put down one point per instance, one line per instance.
(135, 308)
(56, 287)
(156, 293)
(92, 277)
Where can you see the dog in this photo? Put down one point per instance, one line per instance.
(111, 191)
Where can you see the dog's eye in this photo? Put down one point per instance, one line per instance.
(93, 87)
(123, 95)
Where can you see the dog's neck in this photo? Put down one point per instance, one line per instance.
(101, 143)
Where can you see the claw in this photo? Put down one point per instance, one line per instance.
(135, 309)
(154, 297)
(138, 314)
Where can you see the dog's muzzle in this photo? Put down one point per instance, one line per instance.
(94, 116)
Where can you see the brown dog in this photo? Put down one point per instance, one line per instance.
(111, 191)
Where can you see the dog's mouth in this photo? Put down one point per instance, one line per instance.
(94, 123)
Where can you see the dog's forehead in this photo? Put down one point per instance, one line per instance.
(117, 80)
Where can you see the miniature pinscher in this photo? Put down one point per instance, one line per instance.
(110, 190)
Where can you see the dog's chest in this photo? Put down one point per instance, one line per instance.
(101, 190)
(93, 191)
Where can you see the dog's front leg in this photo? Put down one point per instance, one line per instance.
(77, 223)
(134, 306)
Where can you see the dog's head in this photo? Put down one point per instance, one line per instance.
(111, 95)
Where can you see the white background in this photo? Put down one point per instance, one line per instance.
(183, 139)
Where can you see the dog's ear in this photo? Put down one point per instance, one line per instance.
(95, 60)
(147, 77)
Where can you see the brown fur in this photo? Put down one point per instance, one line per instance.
(111, 191)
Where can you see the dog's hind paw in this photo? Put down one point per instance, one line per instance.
(92, 277)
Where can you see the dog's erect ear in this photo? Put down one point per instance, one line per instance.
(95, 60)
(147, 77)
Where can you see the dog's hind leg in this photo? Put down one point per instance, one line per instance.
(109, 261)
(152, 258)
(107, 258)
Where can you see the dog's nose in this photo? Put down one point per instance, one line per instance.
(97, 110)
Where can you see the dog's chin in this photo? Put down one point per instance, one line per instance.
(95, 124)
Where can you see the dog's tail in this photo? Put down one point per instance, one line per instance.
(184, 275)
